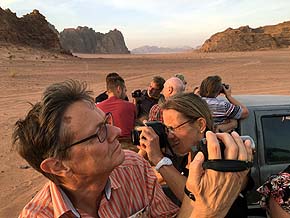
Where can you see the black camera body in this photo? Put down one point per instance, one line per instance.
(203, 146)
(137, 93)
(226, 86)
(158, 128)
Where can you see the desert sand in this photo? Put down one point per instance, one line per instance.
(25, 73)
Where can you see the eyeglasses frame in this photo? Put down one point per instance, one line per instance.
(172, 129)
(107, 116)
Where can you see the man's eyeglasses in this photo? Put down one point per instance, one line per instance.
(172, 129)
(101, 133)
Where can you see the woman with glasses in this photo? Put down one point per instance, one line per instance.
(187, 119)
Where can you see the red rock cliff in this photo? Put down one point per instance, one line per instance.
(248, 39)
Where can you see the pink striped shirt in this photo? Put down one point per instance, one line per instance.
(131, 187)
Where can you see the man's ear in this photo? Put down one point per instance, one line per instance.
(119, 90)
(202, 124)
(54, 166)
(170, 89)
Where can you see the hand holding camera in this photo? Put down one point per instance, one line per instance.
(136, 93)
(226, 89)
(230, 159)
(152, 138)
(158, 128)
(225, 185)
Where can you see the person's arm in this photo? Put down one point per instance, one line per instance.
(174, 180)
(214, 192)
(187, 208)
(232, 100)
(149, 143)
(226, 127)
(276, 211)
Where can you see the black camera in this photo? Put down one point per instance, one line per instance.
(203, 146)
(224, 85)
(137, 93)
(158, 128)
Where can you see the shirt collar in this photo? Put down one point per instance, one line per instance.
(62, 204)
(111, 184)
(113, 97)
(69, 204)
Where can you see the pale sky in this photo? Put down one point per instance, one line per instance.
(165, 23)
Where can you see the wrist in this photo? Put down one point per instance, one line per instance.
(189, 194)
(165, 161)
(155, 160)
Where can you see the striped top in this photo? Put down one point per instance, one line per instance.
(156, 113)
(131, 187)
(223, 110)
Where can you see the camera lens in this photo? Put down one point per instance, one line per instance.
(135, 135)
(158, 128)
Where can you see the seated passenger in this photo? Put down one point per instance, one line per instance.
(188, 120)
(104, 95)
(276, 195)
(124, 112)
(225, 113)
(171, 87)
(182, 78)
(148, 98)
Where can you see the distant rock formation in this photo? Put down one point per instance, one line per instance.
(86, 40)
(155, 49)
(248, 39)
(52, 27)
(30, 30)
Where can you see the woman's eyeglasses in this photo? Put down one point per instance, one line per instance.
(172, 129)
(101, 133)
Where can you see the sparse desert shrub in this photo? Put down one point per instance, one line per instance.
(12, 73)
(10, 57)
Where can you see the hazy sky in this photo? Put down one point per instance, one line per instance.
(169, 23)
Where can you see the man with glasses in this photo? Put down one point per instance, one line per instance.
(74, 144)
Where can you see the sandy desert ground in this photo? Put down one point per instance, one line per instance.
(25, 73)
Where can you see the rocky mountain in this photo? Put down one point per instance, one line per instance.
(155, 49)
(30, 30)
(86, 40)
(249, 39)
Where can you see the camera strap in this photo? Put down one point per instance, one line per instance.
(227, 165)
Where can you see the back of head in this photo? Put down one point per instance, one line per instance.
(176, 84)
(111, 75)
(191, 106)
(114, 82)
(43, 132)
(211, 87)
(159, 81)
(181, 77)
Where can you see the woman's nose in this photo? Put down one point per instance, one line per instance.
(170, 134)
